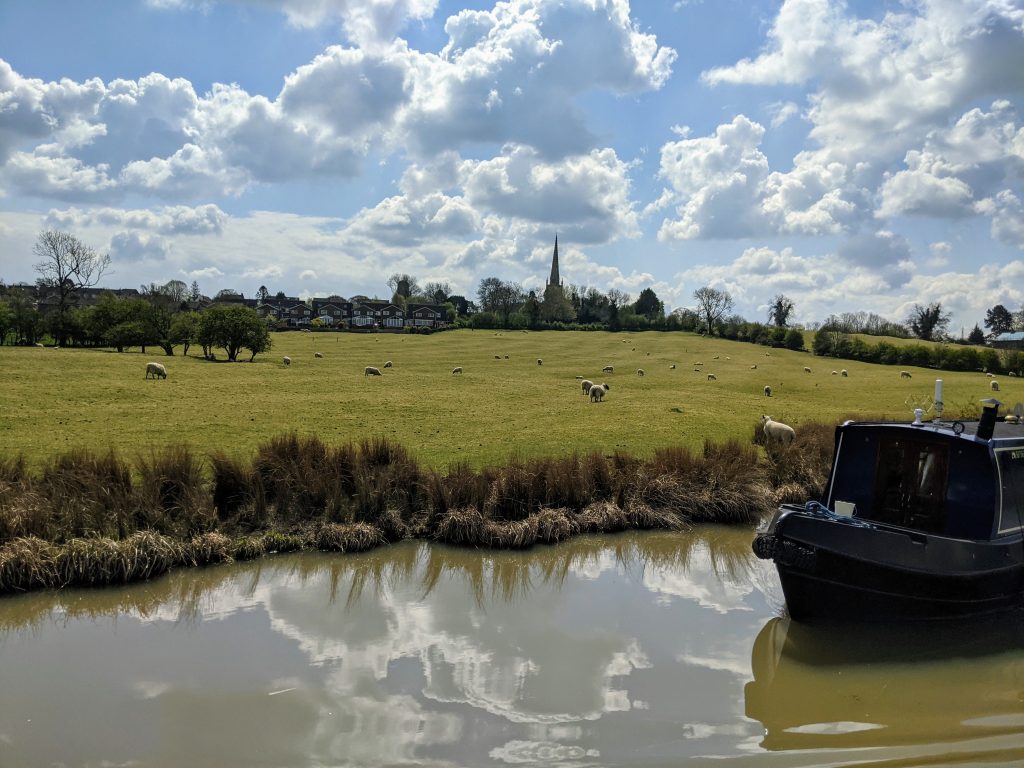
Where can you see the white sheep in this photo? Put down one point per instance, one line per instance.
(1011, 373)
(767, 391)
(776, 430)
(1011, 419)
(843, 373)
(539, 361)
(753, 367)
(287, 360)
(306, 330)
(608, 369)
(672, 367)
(990, 375)
(38, 345)
(835, 373)
(640, 372)
(157, 370)
(579, 378)
(715, 357)
(457, 369)
(597, 392)
(388, 364)
(994, 385)
(905, 375)
(585, 385)
(806, 369)
(318, 354)
(371, 371)
(712, 377)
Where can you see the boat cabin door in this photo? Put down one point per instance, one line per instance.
(910, 484)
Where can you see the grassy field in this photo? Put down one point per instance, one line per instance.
(52, 400)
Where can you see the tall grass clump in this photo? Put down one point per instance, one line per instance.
(90, 495)
(173, 495)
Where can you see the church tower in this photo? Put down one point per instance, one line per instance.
(554, 279)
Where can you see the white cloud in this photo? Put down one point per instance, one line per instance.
(138, 246)
(1007, 214)
(883, 84)
(781, 112)
(307, 275)
(205, 272)
(170, 220)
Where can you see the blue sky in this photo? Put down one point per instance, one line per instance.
(854, 156)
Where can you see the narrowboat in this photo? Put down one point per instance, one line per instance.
(918, 521)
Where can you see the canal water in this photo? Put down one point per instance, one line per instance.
(650, 649)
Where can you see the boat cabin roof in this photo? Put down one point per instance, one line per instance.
(935, 478)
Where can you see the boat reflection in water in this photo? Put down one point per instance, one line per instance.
(955, 689)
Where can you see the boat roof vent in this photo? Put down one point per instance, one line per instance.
(987, 424)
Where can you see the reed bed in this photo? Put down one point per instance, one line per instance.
(96, 519)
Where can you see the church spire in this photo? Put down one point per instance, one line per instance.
(554, 266)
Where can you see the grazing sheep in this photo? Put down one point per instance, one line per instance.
(728, 358)
(767, 354)
(371, 371)
(506, 357)
(776, 430)
(597, 392)
(753, 367)
(640, 372)
(843, 373)
(37, 344)
(388, 364)
(1011, 373)
(1011, 419)
(457, 369)
(579, 378)
(835, 373)
(715, 357)
(767, 391)
(585, 385)
(157, 370)
(994, 385)
(712, 377)
(306, 330)
(990, 375)
(806, 369)
(539, 361)
(672, 367)
(905, 375)
(318, 354)
(608, 369)
(287, 360)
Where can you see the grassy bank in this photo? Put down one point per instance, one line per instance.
(96, 519)
(52, 400)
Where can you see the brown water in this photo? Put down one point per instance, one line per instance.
(633, 650)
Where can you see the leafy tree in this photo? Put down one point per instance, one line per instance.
(230, 293)
(402, 284)
(26, 320)
(976, 336)
(500, 297)
(532, 310)
(712, 305)
(998, 320)
(176, 293)
(185, 330)
(556, 307)
(438, 291)
(233, 327)
(120, 323)
(649, 305)
(67, 265)
(461, 304)
(262, 293)
(794, 339)
(928, 322)
(280, 296)
(193, 292)
(6, 321)
(779, 310)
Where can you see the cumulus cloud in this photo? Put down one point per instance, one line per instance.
(882, 84)
(138, 246)
(1007, 214)
(170, 220)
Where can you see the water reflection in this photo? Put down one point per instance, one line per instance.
(848, 687)
(623, 650)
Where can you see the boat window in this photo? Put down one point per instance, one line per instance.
(1011, 470)
(910, 484)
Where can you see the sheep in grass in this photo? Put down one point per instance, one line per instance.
(712, 377)
(640, 372)
(776, 430)
(767, 391)
(994, 385)
(539, 361)
(457, 369)
(158, 371)
(506, 357)
(597, 392)
(905, 375)
(388, 364)
(753, 367)
(672, 367)
(835, 373)
(585, 385)
(806, 369)
(990, 375)
(608, 369)
(843, 373)
(371, 371)
(497, 357)
(579, 378)
(1011, 373)
(318, 354)
(286, 360)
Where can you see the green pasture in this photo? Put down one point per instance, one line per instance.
(52, 400)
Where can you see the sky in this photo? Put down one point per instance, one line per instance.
(855, 156)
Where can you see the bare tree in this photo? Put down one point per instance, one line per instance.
(403, 285)
(66, 265)
(437, 291)
(712, 305)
